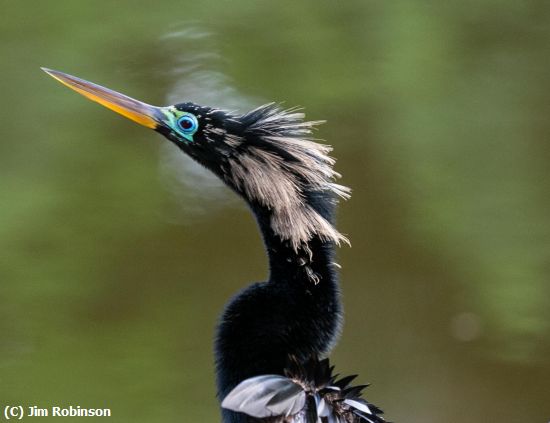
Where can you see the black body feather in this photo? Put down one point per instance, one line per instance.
(308, 393)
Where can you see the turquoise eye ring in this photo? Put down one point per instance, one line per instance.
(188, 124)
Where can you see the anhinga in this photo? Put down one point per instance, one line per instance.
(273, 336)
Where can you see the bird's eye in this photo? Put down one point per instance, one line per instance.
(188, 124)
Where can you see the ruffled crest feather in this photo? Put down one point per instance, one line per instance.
(283, 153)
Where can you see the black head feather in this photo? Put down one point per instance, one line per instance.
(268, 156)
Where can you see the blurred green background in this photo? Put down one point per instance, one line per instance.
(114, 265)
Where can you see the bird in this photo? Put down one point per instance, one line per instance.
(274, 337)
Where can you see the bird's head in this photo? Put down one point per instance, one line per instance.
(266, 155)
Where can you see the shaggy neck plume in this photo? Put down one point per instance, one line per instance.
(288, 180)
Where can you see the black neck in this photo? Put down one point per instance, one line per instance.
(297, 312)
(310, 264)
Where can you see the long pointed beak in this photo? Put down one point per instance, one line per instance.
(142, 113)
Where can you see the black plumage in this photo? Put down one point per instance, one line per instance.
(273, 336)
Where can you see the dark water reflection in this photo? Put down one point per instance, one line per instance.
(116, 258)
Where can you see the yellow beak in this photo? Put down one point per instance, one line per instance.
(142, 113)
